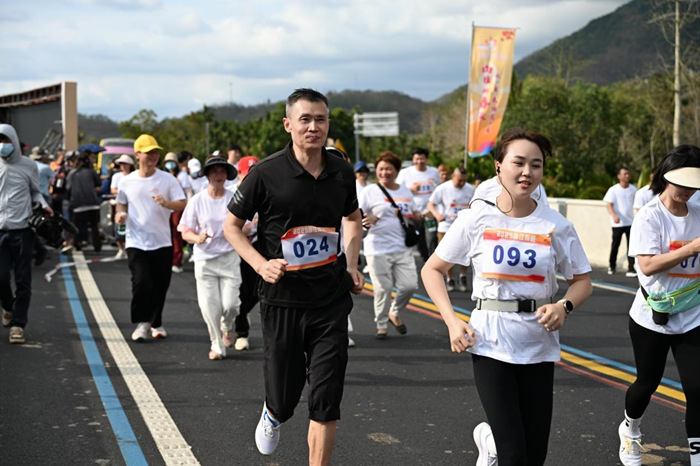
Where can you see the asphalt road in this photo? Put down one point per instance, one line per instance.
(80, 393)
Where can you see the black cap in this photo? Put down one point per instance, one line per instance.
(231, 170)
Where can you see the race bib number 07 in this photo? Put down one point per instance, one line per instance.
(689, 268)
(516, 255)
(309, 246)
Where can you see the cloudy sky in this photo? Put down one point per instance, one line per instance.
(173, 56)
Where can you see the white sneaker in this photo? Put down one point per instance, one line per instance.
(631, 274)
(267, 434)
(241, 344)
(141, 332)
(177, 269)
(487, 457)
(462, 283)
(159, 332)
(630, 448)
(121, 255)
(6, 318)
(351, 343)
(450, 285)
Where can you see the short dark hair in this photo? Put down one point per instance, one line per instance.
(183, 156)
(421, 151)
(515, 134)
(234, 146)
(682, 156)
(389, 157)
(304, 94)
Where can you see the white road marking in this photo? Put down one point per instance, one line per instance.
(170, 442)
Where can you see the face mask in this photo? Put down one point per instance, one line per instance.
(170, 165)
(194, 174)
(6, 149)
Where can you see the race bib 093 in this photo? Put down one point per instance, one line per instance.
(516, 255)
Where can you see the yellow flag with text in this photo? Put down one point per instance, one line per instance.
(489, 86)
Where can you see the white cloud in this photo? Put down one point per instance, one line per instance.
(176, 56)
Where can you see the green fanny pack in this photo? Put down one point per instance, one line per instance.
(675, 302)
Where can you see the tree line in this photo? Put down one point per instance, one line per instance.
(594, 129)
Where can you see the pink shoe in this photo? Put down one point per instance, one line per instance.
(228, 338)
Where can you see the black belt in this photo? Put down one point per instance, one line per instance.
(519, 305)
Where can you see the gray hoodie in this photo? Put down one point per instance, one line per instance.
(19, 186)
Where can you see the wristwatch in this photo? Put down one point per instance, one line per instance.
(568, 306)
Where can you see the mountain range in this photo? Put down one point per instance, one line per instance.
(625, 44)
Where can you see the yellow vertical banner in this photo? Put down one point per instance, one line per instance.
(489, 86)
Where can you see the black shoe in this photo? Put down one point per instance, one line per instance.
(381, 336)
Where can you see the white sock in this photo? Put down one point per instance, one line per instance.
(694, 444)
(633, 426)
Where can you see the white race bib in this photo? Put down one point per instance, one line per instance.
(689, 268)
(516, 255)
(309, 246)
(455, 208)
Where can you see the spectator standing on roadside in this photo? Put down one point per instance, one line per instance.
(620, 201)
(82, 185)
(19, 188)
(445, 203)
(216, 264)
(301, 195)
(144, 202)
(422, 180)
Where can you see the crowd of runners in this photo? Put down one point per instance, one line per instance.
(297, 231)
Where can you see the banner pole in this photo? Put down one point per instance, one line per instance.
(466, 129)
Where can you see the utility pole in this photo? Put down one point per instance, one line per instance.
(677, 79)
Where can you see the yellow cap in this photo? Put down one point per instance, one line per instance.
(145, 143)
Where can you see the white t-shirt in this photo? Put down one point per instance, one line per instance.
(148, 224)
(514, 258)
(199, 184)
(387, 235)
(206, 214)
(491, 188)
(359, 187)
(184, 179)
(622, 200)
(116, 178)
(655, 230)
(450, 200)
(642, 196)
(427, 182)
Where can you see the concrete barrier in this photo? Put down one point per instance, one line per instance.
(592, 223)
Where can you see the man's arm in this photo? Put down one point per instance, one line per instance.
(611, 211)
(270, 270)
(352, 238)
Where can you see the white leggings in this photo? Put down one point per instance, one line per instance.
(387, 270)
(218, 283)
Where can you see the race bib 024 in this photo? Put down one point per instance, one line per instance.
(309, 246)
(516, 255)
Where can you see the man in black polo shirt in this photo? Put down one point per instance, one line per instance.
(301, 194)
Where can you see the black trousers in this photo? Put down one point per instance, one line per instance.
(617, 233)
(650, 351)
(518, 402)
(303, 344)
(84, 219)
(249, 298)
(16, 249)
(150, 279)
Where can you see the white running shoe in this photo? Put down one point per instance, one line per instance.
(159, 332)
(242, 344)
(267, 434)
(462, 282)
(177, 269)
(482, 432)
(121, 255)
(630, 448)
(141, 332)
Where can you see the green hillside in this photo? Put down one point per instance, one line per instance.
(622, 45)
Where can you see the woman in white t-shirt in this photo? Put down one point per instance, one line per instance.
(515, 247)
(389, 260)
(216, 265)
(664, 239)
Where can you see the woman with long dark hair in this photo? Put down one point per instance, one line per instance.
(515, 245)
(664, 239)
